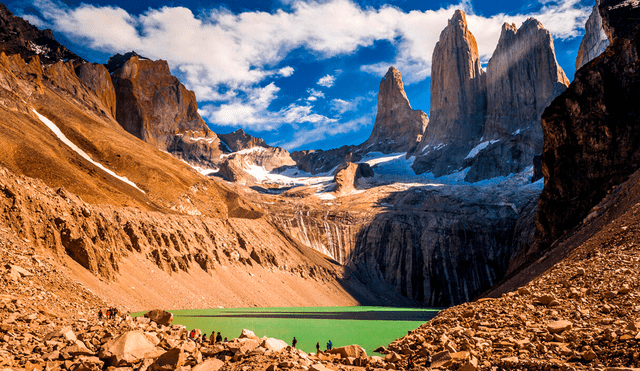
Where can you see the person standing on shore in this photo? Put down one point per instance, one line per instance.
(294, 342)
(318, 348)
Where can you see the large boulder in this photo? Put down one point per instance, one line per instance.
(65, 332)
(354, 351)
(129, 348)
(212, 364)
(275, 345)
(169, 360)
(159, 316)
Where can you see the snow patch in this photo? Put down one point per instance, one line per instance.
(474, 152)
(80, 152)
(326, 196)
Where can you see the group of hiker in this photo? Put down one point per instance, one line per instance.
(213, 338)
(109, 313)
(294, 342)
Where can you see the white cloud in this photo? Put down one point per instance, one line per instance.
(314, 94)
(327, 81)
(227, 58)
(219, 47)
(286, 71)
(340, 106)
(253, 111)
(35, 20)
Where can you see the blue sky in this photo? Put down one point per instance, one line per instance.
(300, 74)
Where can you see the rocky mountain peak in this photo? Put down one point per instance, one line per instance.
(595, 40)
(392, 86)
(458, 97)
(523, 77)
(117, 61)
(154, 106)
(398, 128)
(489, 122)
(239, 140)
(17, 36)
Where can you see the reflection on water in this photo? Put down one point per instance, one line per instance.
(358, 316)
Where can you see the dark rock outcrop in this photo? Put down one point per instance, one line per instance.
(591, 136)
(154, 106)
(595, 40)
(320, 161)
(18, 36)
(398, 128)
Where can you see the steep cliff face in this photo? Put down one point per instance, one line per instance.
(442, 246)
(333, 233)
(155, 107)
(458, 92)
(591, 136)
(171, 259)
(97, 78)
(458, 101)
(496, 116)
(523, 77)
(595, 40)
(397, 128)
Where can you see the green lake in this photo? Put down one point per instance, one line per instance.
(369, 327)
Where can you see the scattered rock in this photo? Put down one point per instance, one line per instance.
(160, 317)
(557, 327)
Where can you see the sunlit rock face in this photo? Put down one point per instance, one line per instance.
(154, 106)
(458, 92)
(489, 123)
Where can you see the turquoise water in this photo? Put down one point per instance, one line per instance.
(369, 327)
